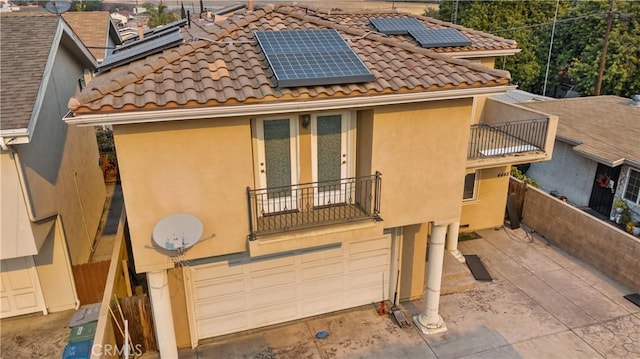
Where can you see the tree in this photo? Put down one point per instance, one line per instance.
(160, 15)
(86, 5)
(577, 45)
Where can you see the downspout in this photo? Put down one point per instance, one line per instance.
(23, 187)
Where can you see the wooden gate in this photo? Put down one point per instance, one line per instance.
(90, 279)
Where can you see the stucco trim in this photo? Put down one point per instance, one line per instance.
(485, 53)
(278, 107)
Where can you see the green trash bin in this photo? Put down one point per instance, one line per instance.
(83, 332)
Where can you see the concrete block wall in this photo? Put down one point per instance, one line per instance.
(598, 243)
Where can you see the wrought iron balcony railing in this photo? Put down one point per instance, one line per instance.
(499, 139)
(273, 210)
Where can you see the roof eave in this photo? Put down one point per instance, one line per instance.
(270, 108)
(483, 53)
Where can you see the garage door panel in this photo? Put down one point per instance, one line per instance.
(218, 307)
(273, 296)
(269, 264)
(322, 286)
(313, 256)
(225, 324)
(220, 288)
(304, 283)
(364, 295)
(5, 304)
(323, 269)
(26, 300)
(218, 270)
(266, 279)
(274, 314)
(367, 278)
(369, 245)
(375, 259)
(323, 304)
(20, 288)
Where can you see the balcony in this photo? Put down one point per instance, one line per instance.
(507, 138)
(274, 210)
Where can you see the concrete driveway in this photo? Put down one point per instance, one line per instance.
(542, 303)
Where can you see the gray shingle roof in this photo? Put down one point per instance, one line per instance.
(25, 42)
(606, 128)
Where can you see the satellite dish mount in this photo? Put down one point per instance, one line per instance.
(58, 7)
(177, 232)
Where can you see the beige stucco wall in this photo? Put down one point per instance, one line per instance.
(421, 150)
(413, 261)
(200, 167)
(487, 209)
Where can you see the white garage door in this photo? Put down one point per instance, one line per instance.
(19, 288)
(232, 296)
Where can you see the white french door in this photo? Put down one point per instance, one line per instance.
(330, 157)
(277, 164)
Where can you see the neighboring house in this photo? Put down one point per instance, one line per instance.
(96, 29)
(596, 158)
(305, 194)
(52, 191)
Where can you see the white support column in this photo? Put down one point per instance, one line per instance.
(452, 240)
(429, 321)
(162, 314)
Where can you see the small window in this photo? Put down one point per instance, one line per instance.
(632, 192)
(469, 186)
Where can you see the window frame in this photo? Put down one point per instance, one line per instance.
(626, 187)
(475, 187)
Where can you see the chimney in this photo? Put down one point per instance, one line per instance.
(140, 31)
(635, 101)
(250, 5)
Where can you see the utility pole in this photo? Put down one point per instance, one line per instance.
(604, 47)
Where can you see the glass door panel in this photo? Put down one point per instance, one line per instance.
(329, 134)
(277, 164)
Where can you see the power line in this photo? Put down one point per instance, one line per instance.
(548, 23)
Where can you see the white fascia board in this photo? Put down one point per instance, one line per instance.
(485, 53)
(117, 118)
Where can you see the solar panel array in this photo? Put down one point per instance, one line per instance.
(425, 37)
(141, 48)
(396, 25)
(440, 38)
(311, 58)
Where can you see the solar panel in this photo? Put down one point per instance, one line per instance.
(311, 58)
(141, 48)
(439, 37)
(425, 37)
(396, 25)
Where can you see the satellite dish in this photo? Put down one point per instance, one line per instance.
(177, 232)
(57, 7)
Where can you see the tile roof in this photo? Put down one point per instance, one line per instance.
(604, 127)
(25, 42)
(229, 68)
(480, 41)
(92, 27)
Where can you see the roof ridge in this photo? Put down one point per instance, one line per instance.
(129, 74)
(393, 42)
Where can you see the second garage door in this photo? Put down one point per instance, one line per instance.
(244, 293)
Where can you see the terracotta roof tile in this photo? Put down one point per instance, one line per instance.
(229, 67)
(25, 42)
(480, 41)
